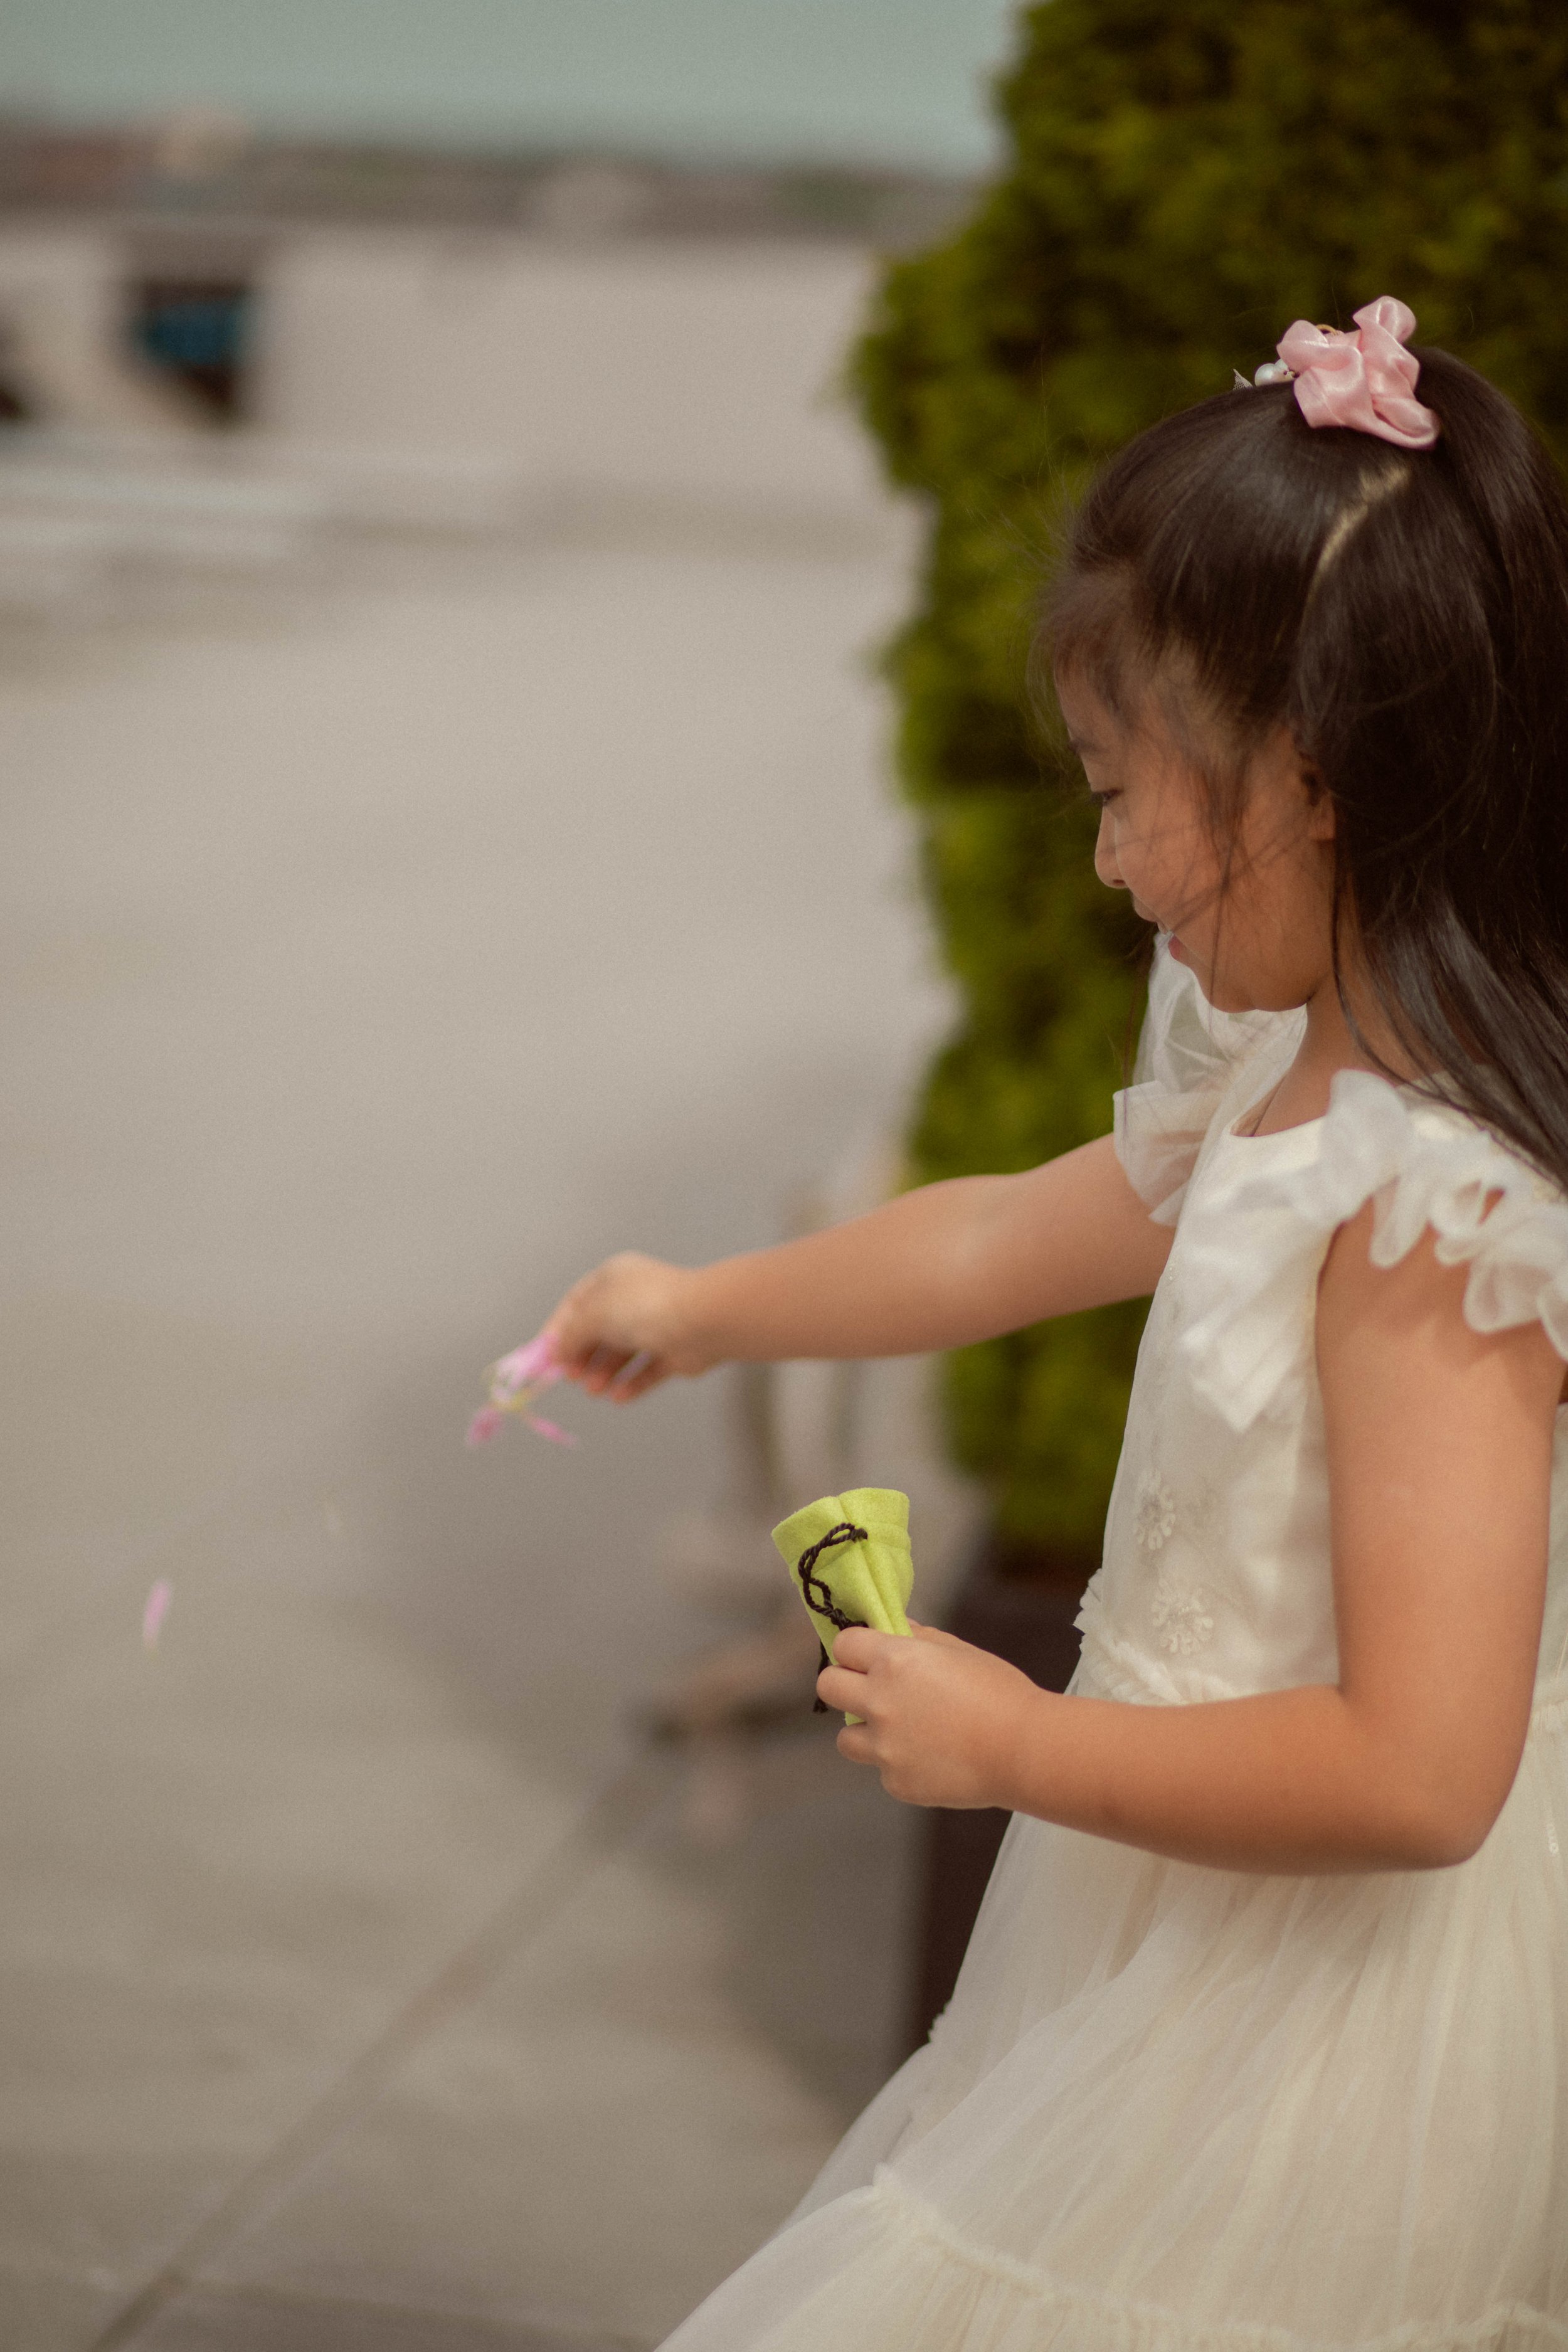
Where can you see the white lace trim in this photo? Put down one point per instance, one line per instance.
(1104, 2324)
(1187, 1054)
(1251, 1249)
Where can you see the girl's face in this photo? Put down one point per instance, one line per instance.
(1256, 935)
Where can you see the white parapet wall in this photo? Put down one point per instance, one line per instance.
(675, 368)
(691, 370)
(401, 378)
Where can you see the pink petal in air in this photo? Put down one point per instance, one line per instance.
(485, 1424)
(533, 1365)
(544, 1428)
(155, 1610)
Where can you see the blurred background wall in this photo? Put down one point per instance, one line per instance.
(447, 837)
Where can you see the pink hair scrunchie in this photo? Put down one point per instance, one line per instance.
(1367, 380)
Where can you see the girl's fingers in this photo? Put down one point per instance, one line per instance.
(842, 1690)
(859, 1646)
(856, 1744)
(934, 1633)
(576, 1360)
(603, 1369)
(570, 1355)
(597, 1364)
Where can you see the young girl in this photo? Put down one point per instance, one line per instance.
(1262, 2038)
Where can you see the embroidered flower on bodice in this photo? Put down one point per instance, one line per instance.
(1155, 1519)
(1182, 1614)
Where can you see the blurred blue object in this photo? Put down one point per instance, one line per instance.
(198, 333)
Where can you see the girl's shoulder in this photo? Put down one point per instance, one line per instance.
(1255, 1231)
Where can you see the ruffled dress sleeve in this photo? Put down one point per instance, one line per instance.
(1188, 1057)
(1255, 1238)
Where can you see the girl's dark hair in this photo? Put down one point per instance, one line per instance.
(1405, 614)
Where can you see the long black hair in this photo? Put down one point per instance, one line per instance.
(1405, 613)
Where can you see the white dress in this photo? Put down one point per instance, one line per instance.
(1173, 2107)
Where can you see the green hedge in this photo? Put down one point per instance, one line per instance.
(1184, 180)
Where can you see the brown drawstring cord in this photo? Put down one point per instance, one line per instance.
(811, 1585)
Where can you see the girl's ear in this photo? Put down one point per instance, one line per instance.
(1321, 824)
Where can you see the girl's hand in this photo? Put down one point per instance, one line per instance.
(628, 1325)
(944, 1722)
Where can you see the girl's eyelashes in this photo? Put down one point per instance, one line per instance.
(1102, 799)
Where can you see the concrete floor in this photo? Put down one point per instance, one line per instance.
(379, 949)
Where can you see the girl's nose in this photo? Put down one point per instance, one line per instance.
(1105, 864)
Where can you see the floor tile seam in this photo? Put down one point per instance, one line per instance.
(608, 1821)
(562, 2329)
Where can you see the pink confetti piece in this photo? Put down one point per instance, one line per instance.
(535, 1365)
(516, 1382)
(155, 1610)
(543, 1428)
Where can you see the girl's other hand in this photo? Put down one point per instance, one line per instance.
(628, 1325)
(943, 1721)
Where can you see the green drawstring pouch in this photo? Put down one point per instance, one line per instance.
(849, 1556)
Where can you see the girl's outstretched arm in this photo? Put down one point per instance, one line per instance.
(939, 1267)
(1439, 1445)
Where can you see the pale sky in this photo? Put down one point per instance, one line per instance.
(891, 80)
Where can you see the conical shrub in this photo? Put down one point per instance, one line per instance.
(1185, 177)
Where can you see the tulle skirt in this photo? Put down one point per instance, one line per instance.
(1172, 2107)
